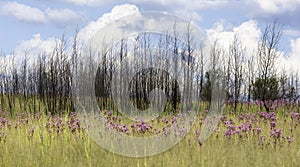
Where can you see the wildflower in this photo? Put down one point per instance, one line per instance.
(173, 119)
(197, 132)
(31, 131)
(236, 132)
(272, 124)
(290, 139)
(276, 133)
(261, 139)
(132, 126)
(258, 130)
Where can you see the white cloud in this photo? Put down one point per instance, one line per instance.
(294, 57)
(64, 17)
(218, 33)
(31, 49)
(59, 17)
(34, 47)
(295, 44)
(277, 6)
(116, 13)
(247, 32)
(23, 12)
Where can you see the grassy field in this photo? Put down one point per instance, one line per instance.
(253, 138)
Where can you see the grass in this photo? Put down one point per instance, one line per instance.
(42, 142)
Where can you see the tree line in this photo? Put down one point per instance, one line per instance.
(45, 84)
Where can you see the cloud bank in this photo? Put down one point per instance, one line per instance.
(24, 13)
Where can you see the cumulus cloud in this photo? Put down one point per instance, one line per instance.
(30, 49)
(247, 32)
(36, 45)
(23, 12)
(33, 48)
(294, 57)
(295, 44)
(116, 13)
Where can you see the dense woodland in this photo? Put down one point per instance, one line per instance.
(45, 84)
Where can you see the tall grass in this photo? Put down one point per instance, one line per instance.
(47, 140)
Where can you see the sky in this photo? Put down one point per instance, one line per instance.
(34, 25)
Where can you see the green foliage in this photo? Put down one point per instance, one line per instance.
(266, 89)
(206, 92)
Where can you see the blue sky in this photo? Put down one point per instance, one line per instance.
(34, 24)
